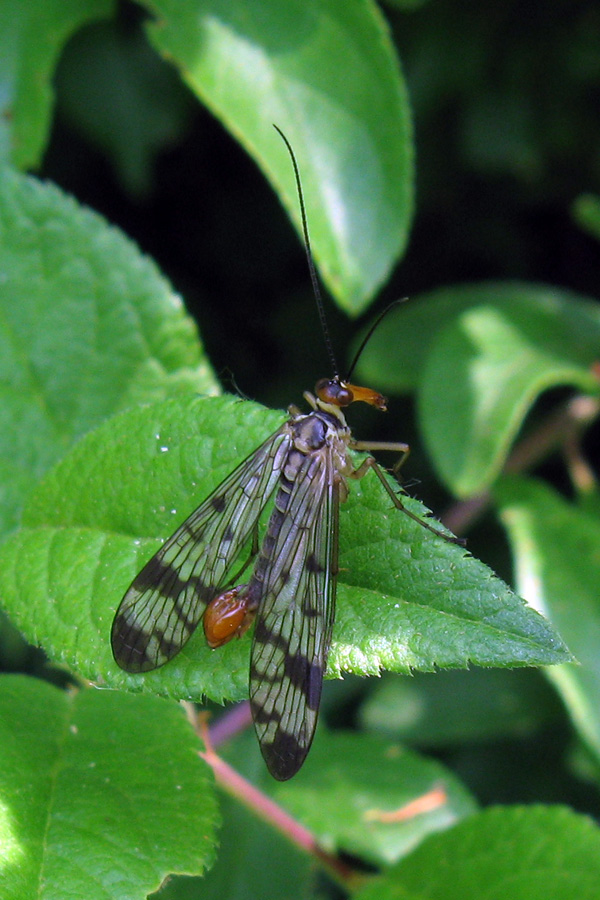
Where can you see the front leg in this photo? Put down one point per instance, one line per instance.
(371, 463)
(369, 447)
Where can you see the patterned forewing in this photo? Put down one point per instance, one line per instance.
(298, 566)
(165, 602)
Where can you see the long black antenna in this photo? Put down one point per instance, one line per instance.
(311, 266)
(369, 334)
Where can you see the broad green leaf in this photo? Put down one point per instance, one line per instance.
(407, 599)
(557, 552)
(500, 360)
(327, 74)
(88, 781)
(561, 321)
(454, 707)
(88, 326)
(353, 788)
(586, 211)
(32, 37)
(521, 853)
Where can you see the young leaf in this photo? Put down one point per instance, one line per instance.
(88, 326)
(328, 76)
(555, 545)
(89, 780)
(407, 598)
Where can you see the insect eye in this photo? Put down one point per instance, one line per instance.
(330, 390)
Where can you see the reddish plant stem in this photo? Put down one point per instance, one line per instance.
(269, 811)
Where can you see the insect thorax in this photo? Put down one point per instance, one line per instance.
(322, 431)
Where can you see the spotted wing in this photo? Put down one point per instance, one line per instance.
(297, 568)
(165, 602)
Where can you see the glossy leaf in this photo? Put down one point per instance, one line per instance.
(326, 73)
(479, 356)
(500, 363)
(396, 356)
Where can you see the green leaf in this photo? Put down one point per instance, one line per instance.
(454, 707)
(558, 570)
(327, 74)
(521, 853)
(32, 37)
(88, 780)
(88, 326)
(353, 788)
(407, 598)
(95, 519)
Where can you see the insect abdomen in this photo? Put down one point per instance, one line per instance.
(287, 667)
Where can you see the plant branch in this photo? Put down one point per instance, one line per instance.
(269, 811)
(562, 429)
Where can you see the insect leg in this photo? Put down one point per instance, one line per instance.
(371, 463)
(392, 447)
